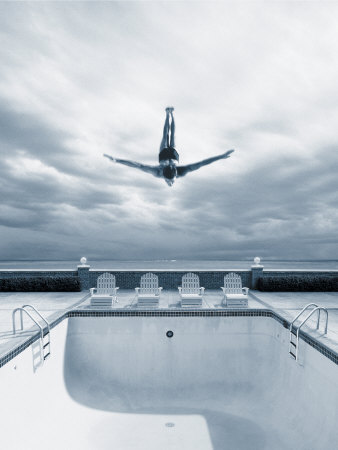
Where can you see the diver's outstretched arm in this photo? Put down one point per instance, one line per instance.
(154, 170)
(183, 170)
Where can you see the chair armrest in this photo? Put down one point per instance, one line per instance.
(137, 290)
(245, 290)
(92, 291)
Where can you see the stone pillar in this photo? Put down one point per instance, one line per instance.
(83, 274)
(256, 272)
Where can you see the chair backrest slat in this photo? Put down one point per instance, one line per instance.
(106, 284)
(190, 283)
(149, 283)
(233, 283)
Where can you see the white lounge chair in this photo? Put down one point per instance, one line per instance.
(148, 294)
(105, 294)
(234, 294)
(190, 292)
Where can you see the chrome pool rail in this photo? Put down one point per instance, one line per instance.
(293, 346)
(44, 339)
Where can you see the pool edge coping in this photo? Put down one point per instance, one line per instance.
(233, 312)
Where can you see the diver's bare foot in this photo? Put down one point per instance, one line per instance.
(169, 109)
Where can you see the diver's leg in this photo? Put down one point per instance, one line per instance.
(165, 138)
(172, 129)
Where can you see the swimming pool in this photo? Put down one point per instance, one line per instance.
(219, 382)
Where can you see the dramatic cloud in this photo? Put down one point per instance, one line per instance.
(81, 79)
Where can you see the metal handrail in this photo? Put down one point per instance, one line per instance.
(35, 321)
(303, 310)
(23, 309)
(38, 313)
(319, 308)
(314, 310)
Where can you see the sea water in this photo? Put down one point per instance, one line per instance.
(172, 264)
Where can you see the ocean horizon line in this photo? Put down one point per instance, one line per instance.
(169, 260)
(169, 264)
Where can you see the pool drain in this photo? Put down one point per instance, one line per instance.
(169, 334)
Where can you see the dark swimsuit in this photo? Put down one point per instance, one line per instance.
(168, 153)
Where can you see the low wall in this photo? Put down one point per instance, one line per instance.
(168, 279)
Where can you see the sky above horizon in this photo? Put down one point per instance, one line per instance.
(81, 79)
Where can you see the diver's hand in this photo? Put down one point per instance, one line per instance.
(228, 153)
(110, 157)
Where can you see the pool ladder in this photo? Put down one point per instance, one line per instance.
(44, 340)
(294, 331)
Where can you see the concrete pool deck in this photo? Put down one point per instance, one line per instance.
(50, 304)
(54, 304)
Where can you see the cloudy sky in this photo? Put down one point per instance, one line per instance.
(81, 79)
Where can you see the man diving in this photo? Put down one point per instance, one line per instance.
(168, 167)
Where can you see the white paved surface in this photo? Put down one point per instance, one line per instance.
(288, 304)
(49, 304)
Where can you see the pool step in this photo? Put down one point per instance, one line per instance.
(293, 355)
(293, 345)
(293, 350)
(45, 342)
